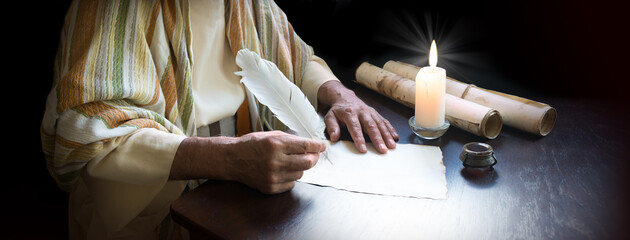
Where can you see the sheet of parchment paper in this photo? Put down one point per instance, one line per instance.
(410, 170)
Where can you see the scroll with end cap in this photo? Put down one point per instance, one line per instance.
(468, 116)
(521, 113)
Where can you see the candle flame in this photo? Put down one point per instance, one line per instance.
(433, 55)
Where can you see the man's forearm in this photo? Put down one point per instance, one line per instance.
(268, 161)
(333, 91)
(199, 157)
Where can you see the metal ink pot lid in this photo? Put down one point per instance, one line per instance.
(476, 154)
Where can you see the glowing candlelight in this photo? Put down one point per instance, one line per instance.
(430, 93)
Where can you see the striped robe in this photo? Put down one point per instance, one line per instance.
(124, 65)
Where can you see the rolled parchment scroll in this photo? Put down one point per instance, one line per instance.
(468, 116)
(521, 113)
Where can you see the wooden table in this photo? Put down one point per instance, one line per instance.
(567, 185)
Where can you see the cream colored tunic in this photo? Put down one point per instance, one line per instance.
(124, 192)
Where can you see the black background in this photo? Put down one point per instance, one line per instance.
(532, 48)
(569, 49)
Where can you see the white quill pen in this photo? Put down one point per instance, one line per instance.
(263, 79)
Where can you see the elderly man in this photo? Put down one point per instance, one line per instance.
(145, 101)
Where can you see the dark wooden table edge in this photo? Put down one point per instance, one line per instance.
(193, 228)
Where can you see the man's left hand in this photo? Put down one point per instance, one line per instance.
(346, 109)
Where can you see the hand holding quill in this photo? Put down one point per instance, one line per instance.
(271, 88)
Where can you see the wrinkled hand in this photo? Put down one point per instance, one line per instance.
(272, 161)
(346, 109)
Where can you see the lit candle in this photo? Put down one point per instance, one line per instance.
(430, 92)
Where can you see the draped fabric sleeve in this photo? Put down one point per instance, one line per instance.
(120, 66)
(262, 27)
(316, 73)
(124, 189)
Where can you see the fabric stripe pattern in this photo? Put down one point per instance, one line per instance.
(123, 65)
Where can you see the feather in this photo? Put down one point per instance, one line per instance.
(285, 100)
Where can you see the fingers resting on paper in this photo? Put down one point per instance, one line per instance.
(347, 110)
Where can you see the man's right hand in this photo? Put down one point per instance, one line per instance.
(270, 162)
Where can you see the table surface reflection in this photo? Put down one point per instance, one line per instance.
(567, 185)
